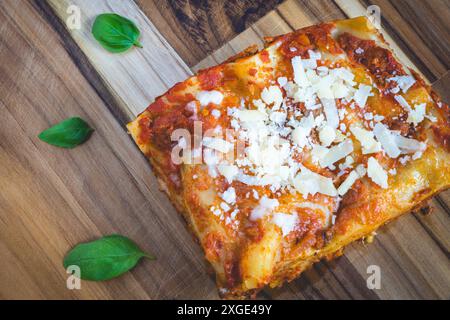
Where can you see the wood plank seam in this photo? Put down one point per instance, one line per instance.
(135, 64)
(81, 60)
(432, 236)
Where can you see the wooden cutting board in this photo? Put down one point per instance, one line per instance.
(51, 199)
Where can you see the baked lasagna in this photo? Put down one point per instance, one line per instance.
(281, 157)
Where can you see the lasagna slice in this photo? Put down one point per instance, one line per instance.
(281, 157)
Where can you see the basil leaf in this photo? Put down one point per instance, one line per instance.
(105, 258)
(67, 134)
(115, 33)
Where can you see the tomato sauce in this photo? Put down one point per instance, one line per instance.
(380, 61)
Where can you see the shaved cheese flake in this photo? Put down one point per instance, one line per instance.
(387, 140)
(300, 136)
(309, 182)
(340, 90)
(344, 74)
(228, 171)
(301, 133)
(417, 115)
(282, 81)
(251, 115)
(417, 155)
(339, 136)
(316, 55)
(394, 144)
(392, 171)
(264, 207)
(261, 106)
(361, 170)
(366, 138)
(210, 157)
(402, 102)
(319, 120)
(299, 72)
(318, 152)
(316, 106)
(322, 71)
(408, 145)
(337, 153)
(286, 222)
(217, 144)
(348, 183)
(308, 122)
(305, 95)
(215, 113)
(312, 75)
(327, 135)
(229, 196)
(376, 172)
(331, 112)
(309, 63)
(323, 87)
(404, 82)
(361, 95)
(207, 97)
(278, 117)
(225, 207)
(431, 117)
(273, 95)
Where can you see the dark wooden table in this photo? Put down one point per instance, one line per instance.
(51, 199)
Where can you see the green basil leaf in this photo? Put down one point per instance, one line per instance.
(115, 33)
(67, 134)
(105, 258)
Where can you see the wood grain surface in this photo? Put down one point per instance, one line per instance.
(51, 199)
(197, 28)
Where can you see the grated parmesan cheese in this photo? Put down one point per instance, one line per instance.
(229, 196)
(361, 95)
(299, 72)
(272, 95)
(348, 183)
(251, 115)
(337, 153)
(403, 82)
(327, 135)
(228, 171)
(376, 172)
(387, 140)
(217, 144)
(215, 113)
(331, 112)
(309, 182)
(367, 140)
